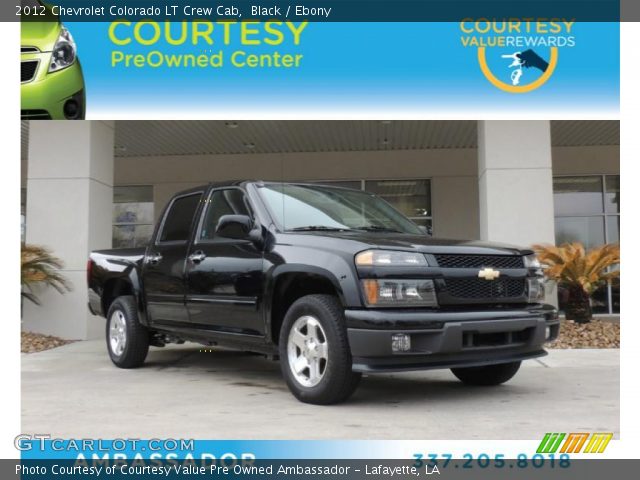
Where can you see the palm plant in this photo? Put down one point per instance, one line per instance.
(581, 272)
(40, 268)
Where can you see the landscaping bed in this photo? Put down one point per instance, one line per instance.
(595, 334)
(36, 342)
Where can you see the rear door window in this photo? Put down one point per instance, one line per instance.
(179, 218)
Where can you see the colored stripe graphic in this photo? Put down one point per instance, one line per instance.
(598, 442)
(550, 442)
(574, 442)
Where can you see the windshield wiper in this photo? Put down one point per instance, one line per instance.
(378, 228)
(311, 228)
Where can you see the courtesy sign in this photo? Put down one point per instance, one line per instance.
(212, 38)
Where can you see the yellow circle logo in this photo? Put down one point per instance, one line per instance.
(482, 60)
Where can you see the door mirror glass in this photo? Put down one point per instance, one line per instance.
(234, 226)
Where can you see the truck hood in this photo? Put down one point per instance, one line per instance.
(42, 35)
(358, 241)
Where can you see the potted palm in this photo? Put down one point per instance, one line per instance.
(39, 268)
(581, 272)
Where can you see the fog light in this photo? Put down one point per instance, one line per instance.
(400, 342)
(71, 109)
(547, 333)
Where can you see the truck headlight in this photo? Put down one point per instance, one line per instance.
(390, 258)
(536, 290)
(399, 293)
(64, 52)
(531, 261)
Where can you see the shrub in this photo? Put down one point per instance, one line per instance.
(581, 272)
(40, 268)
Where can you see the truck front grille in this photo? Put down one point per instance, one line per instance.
(478, 289)
(28, 70)
(479, 261)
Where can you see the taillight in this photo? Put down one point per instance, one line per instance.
(89, 268)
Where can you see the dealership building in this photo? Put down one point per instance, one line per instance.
(93, 184)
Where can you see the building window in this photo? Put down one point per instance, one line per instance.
(132, 216)
(411, 197)
(587, 210)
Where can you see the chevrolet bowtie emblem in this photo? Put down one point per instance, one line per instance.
(489, 273)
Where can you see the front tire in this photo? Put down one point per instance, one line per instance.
(127, 339)
(488, 375)
(314, 351)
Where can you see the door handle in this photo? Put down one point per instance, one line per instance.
(197, 257)
(154, 258)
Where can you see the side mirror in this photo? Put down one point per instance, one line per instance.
(234, 226)
(426, 230)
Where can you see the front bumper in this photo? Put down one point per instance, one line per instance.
(448, 339)
(45, 95)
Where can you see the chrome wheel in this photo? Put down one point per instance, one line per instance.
(117, 332)
(307, 351)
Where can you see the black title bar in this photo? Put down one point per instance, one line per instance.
(320, 10)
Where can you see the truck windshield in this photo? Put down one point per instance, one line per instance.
(319, 207)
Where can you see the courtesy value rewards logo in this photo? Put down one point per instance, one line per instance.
(517, 56)
(574, 442)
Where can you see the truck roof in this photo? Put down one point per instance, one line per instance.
(239, 183)
(229, 183)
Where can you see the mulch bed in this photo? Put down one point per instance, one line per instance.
(595, 334)
(36, 342)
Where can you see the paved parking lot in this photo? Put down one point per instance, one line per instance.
(75, 391)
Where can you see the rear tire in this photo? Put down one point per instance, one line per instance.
(315, 358)
(127, 339)
(487, 375)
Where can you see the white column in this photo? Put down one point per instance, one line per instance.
(515, 182)
(69, 210)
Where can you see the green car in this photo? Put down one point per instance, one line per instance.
(52, 84)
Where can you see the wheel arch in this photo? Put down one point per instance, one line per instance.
(292, 282)
(120, 286)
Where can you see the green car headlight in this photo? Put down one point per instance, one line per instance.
(64, 52)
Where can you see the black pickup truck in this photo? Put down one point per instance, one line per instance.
(335, 282)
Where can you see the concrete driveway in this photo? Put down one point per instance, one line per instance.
(75, 391)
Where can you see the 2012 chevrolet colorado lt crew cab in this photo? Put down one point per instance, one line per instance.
(333, 281)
